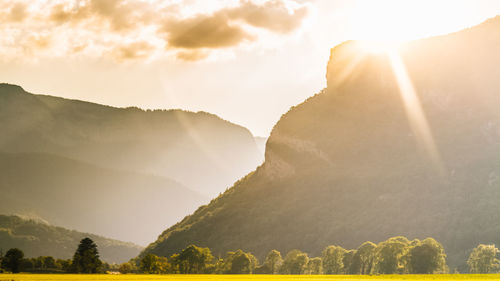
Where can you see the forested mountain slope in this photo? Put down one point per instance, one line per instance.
(200, 150)
(37, 238)
(120, 204)
(356, 163)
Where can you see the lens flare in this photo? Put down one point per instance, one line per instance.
(414, 111)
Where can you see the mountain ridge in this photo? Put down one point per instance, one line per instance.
(170, 143)
(41, 239)
(348, 165)
(83, 196)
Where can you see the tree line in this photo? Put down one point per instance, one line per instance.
(397, 255)
(85, 260)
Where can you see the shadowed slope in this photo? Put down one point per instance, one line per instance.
(120, 204)
(41, 239)
(347, 166)
(200, 150)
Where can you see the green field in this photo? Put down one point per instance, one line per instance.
(61, 277)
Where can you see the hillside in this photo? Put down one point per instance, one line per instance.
(348, 165)
(40, 239)
(120, 204)
(200, 150)
(261, 144)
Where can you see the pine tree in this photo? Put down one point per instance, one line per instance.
(86, 258)
(12, 260)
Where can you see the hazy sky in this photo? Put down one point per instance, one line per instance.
(247, 61)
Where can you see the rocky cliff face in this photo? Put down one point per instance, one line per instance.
(399, 143)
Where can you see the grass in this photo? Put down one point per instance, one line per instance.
(129, 277)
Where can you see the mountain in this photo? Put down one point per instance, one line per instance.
(120, 204)
(261, 144)
(399, 143)
(37, 238)
(200, 150)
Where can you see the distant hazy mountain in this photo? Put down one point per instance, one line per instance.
(120, 204)
(36, 239)
(199, 149)
(346, 166)
(261, 144)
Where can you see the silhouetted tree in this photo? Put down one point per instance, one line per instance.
(127, 267)
(295, 263)
(86, 258)
(390, 255)
(363, 259)
(154, 264)
(273, 262)
(332, 257)
(64, 265)
(12, 260)
(427, 257)
(348, 261)
(314, 266)
(483, 259)
(239, 262)
(1, 258)
(193, 259)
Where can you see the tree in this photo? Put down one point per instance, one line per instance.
(64, 265)
(12, 260)
(28, 265)
(127, 267)
(1, 258)
(332, 257)
(239, 262)
(295, 263)
(315, 266)
(193, 260)
(154, 264)
(427, 257)
(273, 262)
(483, 259)
(49, 262)
(86, 258)
(362, 260)
(348, 261)
(390, 255)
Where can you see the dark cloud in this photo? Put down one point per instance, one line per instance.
(17, 12)
(106, 24)
(118, 15)
(226, 27)
(59, 15)
(272, 15)
(201, 31)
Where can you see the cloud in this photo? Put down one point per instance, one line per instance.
(40, 41)
(18, 12)
(273, 15)
(137, 29)
(132, 51)
(213, 31)
(193, 55)
(226, 27)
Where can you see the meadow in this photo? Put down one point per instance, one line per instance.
(194, 277)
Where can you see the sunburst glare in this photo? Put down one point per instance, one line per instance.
(414, 111)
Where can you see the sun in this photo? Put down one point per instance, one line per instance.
(398, 20)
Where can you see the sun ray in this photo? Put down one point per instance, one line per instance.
(414, 111)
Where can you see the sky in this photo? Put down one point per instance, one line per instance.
(247, 61)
